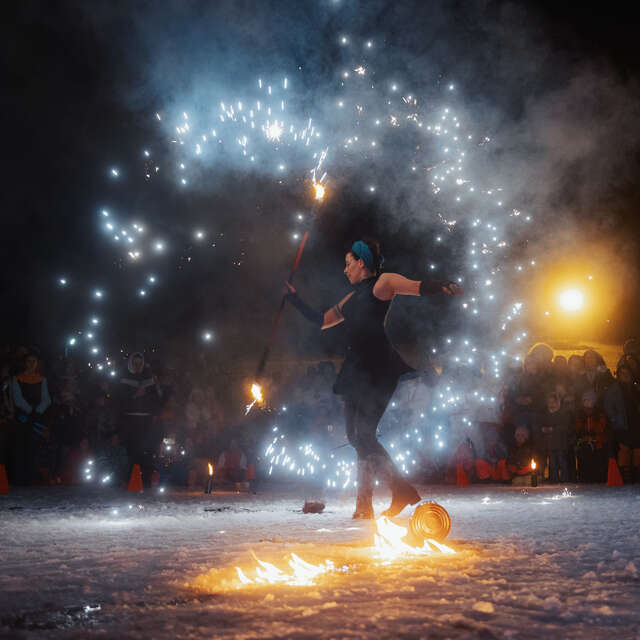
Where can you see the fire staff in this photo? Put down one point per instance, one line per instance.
(372, 366)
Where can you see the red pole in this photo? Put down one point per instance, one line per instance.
(274, 326)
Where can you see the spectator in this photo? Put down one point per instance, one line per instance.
(622, 406)
(525, 394)
(553, 439)
(232, 464)
(31, 397)
(114, 460)
(560, 369)
(140, 396)
(519, 456)
(577, 381)
(491, 454)
(591, 437)
(598, 377)
(631, 357)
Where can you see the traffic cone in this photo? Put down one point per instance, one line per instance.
(461, 476)
(4, 483)
(155, 478)
(135, 481)
(614, 478)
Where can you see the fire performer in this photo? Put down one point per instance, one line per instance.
(371, 368)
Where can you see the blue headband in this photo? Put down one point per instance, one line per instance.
(361, 250)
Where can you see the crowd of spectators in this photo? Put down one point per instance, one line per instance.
(569, 417)
(561, 420)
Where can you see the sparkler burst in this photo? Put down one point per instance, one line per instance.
(389, 137)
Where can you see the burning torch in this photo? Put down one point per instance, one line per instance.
(210, 480)
(256, 390)
(534, 475)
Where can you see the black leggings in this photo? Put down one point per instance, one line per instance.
(362, 411)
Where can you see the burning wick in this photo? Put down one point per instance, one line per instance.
(256, 394)
(210, 480)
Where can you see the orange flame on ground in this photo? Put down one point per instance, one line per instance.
(388, 545)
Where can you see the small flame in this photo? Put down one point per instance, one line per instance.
(210, 468)
(533, 465)
(319, 190)
(256, 394)
(389, 542)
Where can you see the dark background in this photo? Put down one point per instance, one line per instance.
(82, 79)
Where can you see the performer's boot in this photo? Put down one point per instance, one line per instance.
(364, 500)
(402, 494)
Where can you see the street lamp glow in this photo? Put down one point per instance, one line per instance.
(207, 336)
(571, 300)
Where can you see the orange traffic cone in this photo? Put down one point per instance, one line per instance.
(4, 483)
(135, 481)
(461, 476)
(614, 478)
(155, 479)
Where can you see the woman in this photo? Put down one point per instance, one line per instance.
(371, 367)
(31, 398)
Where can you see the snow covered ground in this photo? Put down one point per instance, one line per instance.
(529, 564)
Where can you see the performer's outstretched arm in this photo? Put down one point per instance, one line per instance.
(393, 284)
(325, 320)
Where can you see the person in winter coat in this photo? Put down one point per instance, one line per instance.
(139, 396)
(552, 439)
(491, 454)
(31, 398)
(232, 464)
(520, 454)
(622, 406)
(631, 357)
(526, 393)
(597, 374)
(591, 440)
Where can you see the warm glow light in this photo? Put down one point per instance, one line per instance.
(210, 468)
(256, 394)
(319, 190)
(571, 300)
(533, 465)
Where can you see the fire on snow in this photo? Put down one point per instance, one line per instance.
(388, 546)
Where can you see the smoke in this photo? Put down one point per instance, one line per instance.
(558, 118)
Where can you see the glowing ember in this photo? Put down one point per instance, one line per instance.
(319, 190)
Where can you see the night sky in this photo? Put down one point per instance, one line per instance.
(557, 87)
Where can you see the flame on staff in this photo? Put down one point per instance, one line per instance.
(319, 190)
(256, 394)
(210, 468)
(533, 464)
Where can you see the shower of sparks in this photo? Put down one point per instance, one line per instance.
(263, 131)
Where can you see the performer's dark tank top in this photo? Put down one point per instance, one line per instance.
(370, 359)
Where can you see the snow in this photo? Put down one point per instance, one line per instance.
(528, 563)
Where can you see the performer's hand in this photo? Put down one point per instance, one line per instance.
(289, 288)
(452, 289)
